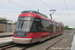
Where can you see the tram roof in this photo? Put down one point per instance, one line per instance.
(40, 14)
(34, 12)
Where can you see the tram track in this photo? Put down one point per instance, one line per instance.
(22, 47)
(68, 44)
(5, 36)
(63, 48)
(55, 43)
(14, 47)
(27, 46)
(45, 44)
(7, 46)
(18, 46)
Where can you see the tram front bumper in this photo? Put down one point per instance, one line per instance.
(22, 40)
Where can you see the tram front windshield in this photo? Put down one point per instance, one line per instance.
(24, 24)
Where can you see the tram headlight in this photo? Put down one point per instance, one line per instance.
(15, 33)
(26, 34)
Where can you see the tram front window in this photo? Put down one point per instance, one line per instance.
(23, 25)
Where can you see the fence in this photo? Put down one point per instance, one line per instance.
(2, 27)
(7, 28)
(10, 28)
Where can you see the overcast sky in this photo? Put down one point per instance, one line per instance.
(65, 9)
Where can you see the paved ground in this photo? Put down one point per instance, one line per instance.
(6, 34)
(62, 42)
(5, 41)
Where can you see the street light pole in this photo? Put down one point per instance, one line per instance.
(52, 13)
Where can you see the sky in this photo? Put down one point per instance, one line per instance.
(65, 9)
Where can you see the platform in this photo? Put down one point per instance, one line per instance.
(5, 41)
(5, 34)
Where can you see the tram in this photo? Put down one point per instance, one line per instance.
(33, 26)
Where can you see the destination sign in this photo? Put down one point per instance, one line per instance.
(24, 18)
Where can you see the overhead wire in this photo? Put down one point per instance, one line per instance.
(48, 6)
(18, 4)
(45, 4)
(38, 7)
(67, 8)
(64, 14)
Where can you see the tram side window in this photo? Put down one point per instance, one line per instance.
(33, 29)
(51, 28)
(47, 26)
(42, 26)
(62, 28)
(57, 27)
(37, 26)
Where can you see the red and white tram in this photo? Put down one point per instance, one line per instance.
(33, 26)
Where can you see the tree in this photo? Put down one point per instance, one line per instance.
(66, 27)
(3, 20)
(15, 23)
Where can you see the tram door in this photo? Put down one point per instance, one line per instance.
(38, 27)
